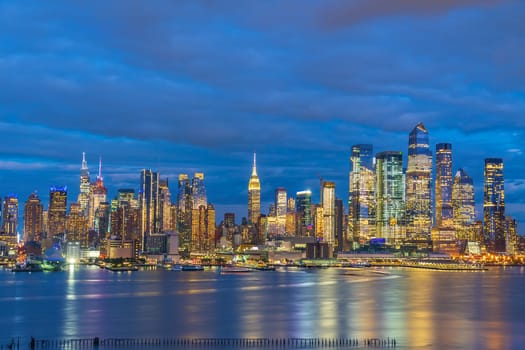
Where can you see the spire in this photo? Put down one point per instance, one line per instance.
(84, 163)
(99, 177)
(254, 170)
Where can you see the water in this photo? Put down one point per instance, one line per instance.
(421, 309)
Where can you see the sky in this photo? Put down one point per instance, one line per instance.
(198, 86)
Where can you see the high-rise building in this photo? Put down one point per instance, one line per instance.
(494, 205)
(444, 181)
(165, 206)
(203, 229)
(419, 183)
(85, 187)
(76, 225)
(328, 203)
(149, 204)
(56, 215)
(184, 209)
(304, 213)
(463, 204)
(98, 195)
(33, 225)
(339, 224)
(361, 199)
(10, 215)
(198, 191)
(280, 209)
(390, 196)
(254, 195)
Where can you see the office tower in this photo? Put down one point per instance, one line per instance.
(328, 203)
(390, 196)
(184, 208)
(203, 229)
(102, 217)
(127, 195)
(463, 204)
(33, 225)
(10, 215)
(318, 220)
(444, 182)
(280, 209)
(76, 225)
(361, 198)
(149, 204)
(339, 224)
(56, 215)
(419, 183)
(125, 217)
(165, 206)
(98, 195)
(85, 187)
(494, 205)
(304, 213)
(511, 235)
(229, 219)
(198, 191)
(254, 195)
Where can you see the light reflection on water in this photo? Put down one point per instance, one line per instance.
(421, 309)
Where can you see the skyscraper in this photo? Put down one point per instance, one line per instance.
(361, 199)
(203, 228)
(304, 213)
(98, 196)
(328, 191)
(390, 196)
(184, 211)
(494, 205)
(149, 204)
(198, 191)
(165, 206)
(56, 215)
(419, 183)
(280, 209)
(254, 195)
(85, 187)
(463, 204)
(444, 210)
(10, 215)
(33, 226)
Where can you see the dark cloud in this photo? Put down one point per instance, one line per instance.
(188, 86)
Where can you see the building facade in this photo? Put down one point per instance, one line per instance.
(494, 205)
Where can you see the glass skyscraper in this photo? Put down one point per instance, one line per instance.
(328, 203)
(33, 221)
(463, 204)
(198, 191)
(444, 211)
(361, 198)
(303, 205)
(254, 195)
(419, 183)
(56, 215)
(149, 204)
(494, 205)
(390, 196)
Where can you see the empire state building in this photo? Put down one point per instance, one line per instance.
(254, 195)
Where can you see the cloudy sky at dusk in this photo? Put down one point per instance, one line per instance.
(185, 86)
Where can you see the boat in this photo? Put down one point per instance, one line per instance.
(191, 267)
(53, 259)
(235, 269)
(121, 267)
(28, 266)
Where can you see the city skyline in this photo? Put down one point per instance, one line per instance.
(196, 87)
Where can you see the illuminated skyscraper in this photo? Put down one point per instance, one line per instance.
(280, 209)
(10, 215)
(33, 226)
(390, 196)
(254, 195)
(198, 191)
(184, 209)
(56, 215)
(328, 203)
(149, 204)
(419, 183)
(463, 204)
(98, 196)
(494, 205)
(85, 187)
(339, 222)
(304, 213)
(444, 211)
(165, 206)
(203, 229)
(76, 225)
(361, 199)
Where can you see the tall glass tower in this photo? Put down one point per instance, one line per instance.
(56, 215)
(198, 191)
(463, 203)
(85, 187)
(149, 204)
(304, 212)
(328, 191)
(494, 205)
(254, 195)
(361, 198)
(33, 225)
(419, 183)
(390, 196)
(444, 211)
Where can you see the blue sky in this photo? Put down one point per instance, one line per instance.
(185, 86)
